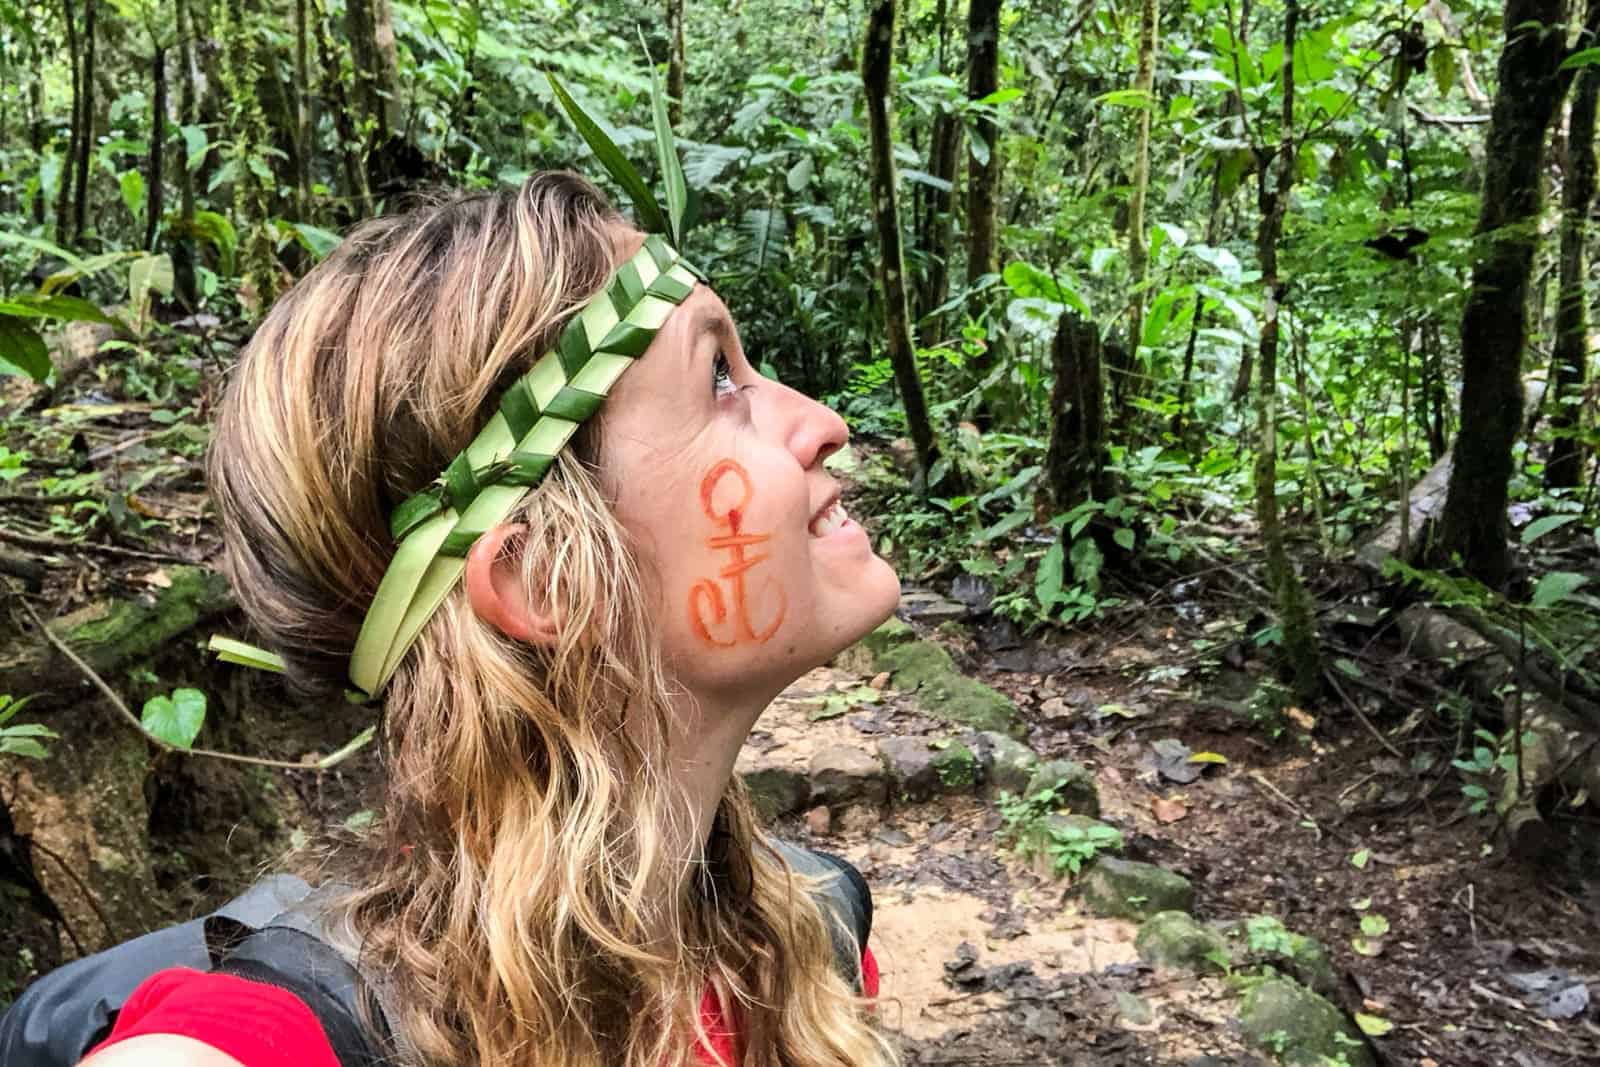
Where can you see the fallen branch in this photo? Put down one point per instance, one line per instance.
(133, 720)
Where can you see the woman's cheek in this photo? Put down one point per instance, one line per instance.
(739, 599)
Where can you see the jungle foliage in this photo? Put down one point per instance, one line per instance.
(1171, 286)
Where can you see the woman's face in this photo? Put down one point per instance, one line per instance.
(719, 478)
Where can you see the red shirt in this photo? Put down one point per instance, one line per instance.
(262, 1025)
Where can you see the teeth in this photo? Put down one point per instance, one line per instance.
(829, 520)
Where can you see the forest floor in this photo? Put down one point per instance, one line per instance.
(986, 961)
(1318, 816)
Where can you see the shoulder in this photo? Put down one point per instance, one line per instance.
(161, 1050)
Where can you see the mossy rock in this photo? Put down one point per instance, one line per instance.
(863, 656)
(1174, 940)
(1008, 764)
(1125, 889)
(944, 693)
(1264, 939)
(1299, 1027)
(777, 791)
(956, 768)
(1037, 839)
(1074, 784)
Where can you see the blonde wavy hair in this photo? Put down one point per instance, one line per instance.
(511, 893)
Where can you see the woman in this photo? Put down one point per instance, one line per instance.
(567, 870)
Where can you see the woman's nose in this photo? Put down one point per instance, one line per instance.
(814, 431)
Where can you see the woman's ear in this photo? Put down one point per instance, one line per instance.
(494, 589)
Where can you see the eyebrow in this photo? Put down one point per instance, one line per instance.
(708, 319)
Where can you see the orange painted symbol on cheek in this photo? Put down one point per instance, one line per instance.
(708, 608)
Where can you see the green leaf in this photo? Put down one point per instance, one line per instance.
(1208, 757)
(1372, 1025)
(149, 274)
(1374, 925)
(132, 186)
(21, 746)
(317, 241)
(1135, 98)
(22, 347)
(667, 154)
(229, 650)
(1556, 587)
(195, 146)
(1586, 57)
(610, 156)
(1360, 859)
(175, 720)
(1000, 96)
(1539, 527)
(1047, 587)
(800, 174)
(1124, 537)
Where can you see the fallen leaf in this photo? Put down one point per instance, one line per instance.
(1373, 1026)
(158, 578)
(879, 680)
(1208, 757)
(1167, 810)
(1300, 718)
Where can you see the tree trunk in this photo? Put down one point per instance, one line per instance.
(302, 109)
(1494, 323)
(155, 200)
(1296, 614)
(1126, 385)
(64, 235)
(944, 155)
(80, 191)
(675, 61)
(1076, 461)
(357, 188)
(36, 138)
(1571, 356)
(370, 26)
(983, 174)
(876, 60)
(183, 244)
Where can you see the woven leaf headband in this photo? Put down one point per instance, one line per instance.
(436, 527)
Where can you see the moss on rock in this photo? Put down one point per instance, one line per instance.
(1073, 784)
(1124, 889)
(1299, 1027)
(1174, 940)
(943, 692)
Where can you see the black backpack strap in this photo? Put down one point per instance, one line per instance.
(845, 899)
(322, 979)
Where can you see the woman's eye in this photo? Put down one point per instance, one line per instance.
(722, 383)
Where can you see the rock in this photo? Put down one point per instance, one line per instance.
(858, 819)
(1124, 889)
(1074, 785)
(819, 820)
(909, 763)
(1041, 840)
(1299, 1027)
(862, 657)
(926, 606)
(777, 791)
(956, 768)
(1007, 763)
(841, 774)
(1264, 939)
(943, 692)
(1172, 939)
